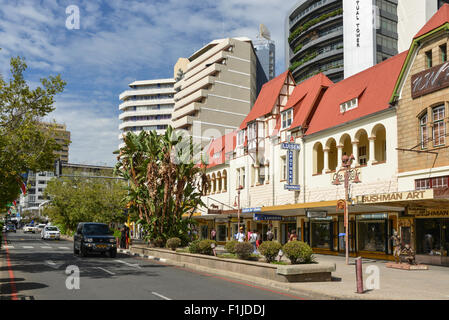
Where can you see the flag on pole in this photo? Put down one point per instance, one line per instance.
(23, 185)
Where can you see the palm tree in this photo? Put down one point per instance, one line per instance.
(164, 182)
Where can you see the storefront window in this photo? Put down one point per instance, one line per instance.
(432, 236)
(321, 235)
(371, 235)
(221, 232)
(204, 233)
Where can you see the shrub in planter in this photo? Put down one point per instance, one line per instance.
(270, 249)
(194, 247)
(173, 243)
(298, 252)
(205, 248)
(230, 246)
(244, 250)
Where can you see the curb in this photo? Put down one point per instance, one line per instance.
(253, 280)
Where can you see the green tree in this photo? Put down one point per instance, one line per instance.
(24, 142)
(81, 199)
(164, 183)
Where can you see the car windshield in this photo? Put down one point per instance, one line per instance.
(96, 229)
(52, 229)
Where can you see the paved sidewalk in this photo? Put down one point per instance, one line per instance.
(394, 284)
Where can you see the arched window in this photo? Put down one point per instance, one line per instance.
(219, 182)
(318, 158)
(380, 144)
(423, 136)
(214, 183)
(333, 154)
(362, 147)
(439, 127)
(225, 181)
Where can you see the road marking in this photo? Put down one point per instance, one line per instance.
(45, 247)
(129, 264)
(160, 296)
(8, 247)
(27, 247)
(107, 271)
(63, 248)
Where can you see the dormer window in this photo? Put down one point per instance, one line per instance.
(241, 137)
(287, 118)
(349, 105)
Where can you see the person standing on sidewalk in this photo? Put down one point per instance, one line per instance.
(241, 235)
(253, 240)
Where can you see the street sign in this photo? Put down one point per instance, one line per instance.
(290, 146)
(316, 214)
(290, 167)
(264, 217)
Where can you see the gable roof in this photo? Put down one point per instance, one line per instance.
(222, 145)
(266, 99)
(304, 98)
(440, 18)
(373, 87)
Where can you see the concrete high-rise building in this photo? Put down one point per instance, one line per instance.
(339, 37)
(412, 15)
(217, 90)
(147, 106)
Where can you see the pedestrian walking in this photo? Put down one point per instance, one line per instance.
(259, 240)
(241, 235)
(213, 234)
(253, 240)
(123, 238)
(293, 236)
(270, 235)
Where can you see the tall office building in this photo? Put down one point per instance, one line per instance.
(339, 37)
(266, 54)
(412, 15)
(217, 89)
(147, 106)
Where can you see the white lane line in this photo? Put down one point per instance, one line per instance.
(63, 248)
(129, 264)
(27, 247)
(45, 247)
(8, 247)
(107, 271)
(160, 296)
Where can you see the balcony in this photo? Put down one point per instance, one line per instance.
(189, 109)
(217, 58)
(183, 122)
(219, 47)
(146, 92)
(144, 123)
(204, 83)
(195, 97)
(149, 102)
(185, 83)
(127, 114)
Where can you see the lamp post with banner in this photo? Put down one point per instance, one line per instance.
(238, 204)
(343, 204)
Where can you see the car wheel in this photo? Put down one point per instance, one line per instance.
(113, 253)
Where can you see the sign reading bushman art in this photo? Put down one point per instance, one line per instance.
(430, 80)
(396, 196)
(427, 213)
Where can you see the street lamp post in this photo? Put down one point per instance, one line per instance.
(238, 204)
(346, 167)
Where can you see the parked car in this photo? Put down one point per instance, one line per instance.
(10, 228)
(94, 237)
(28, 228)
(50, 232)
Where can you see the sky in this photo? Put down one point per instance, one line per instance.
(118, 42)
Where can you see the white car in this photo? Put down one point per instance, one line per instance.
(28, 228)
(50, 232)
(38, 228)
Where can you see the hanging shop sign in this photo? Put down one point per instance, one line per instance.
(289, 219)
(316, 214)
(292, 187)
(264, 217)
(291, 146)
(251, 210)
(341, 175)
(430, 80)
(374, 216)
(396, 196)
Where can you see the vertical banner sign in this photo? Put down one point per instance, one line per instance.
(359, 28)
(290, 166)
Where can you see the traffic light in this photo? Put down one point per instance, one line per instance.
(58, 168)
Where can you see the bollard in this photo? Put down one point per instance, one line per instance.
(359, 274)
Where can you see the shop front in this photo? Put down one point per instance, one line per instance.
(432, 236)
(264, 223)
